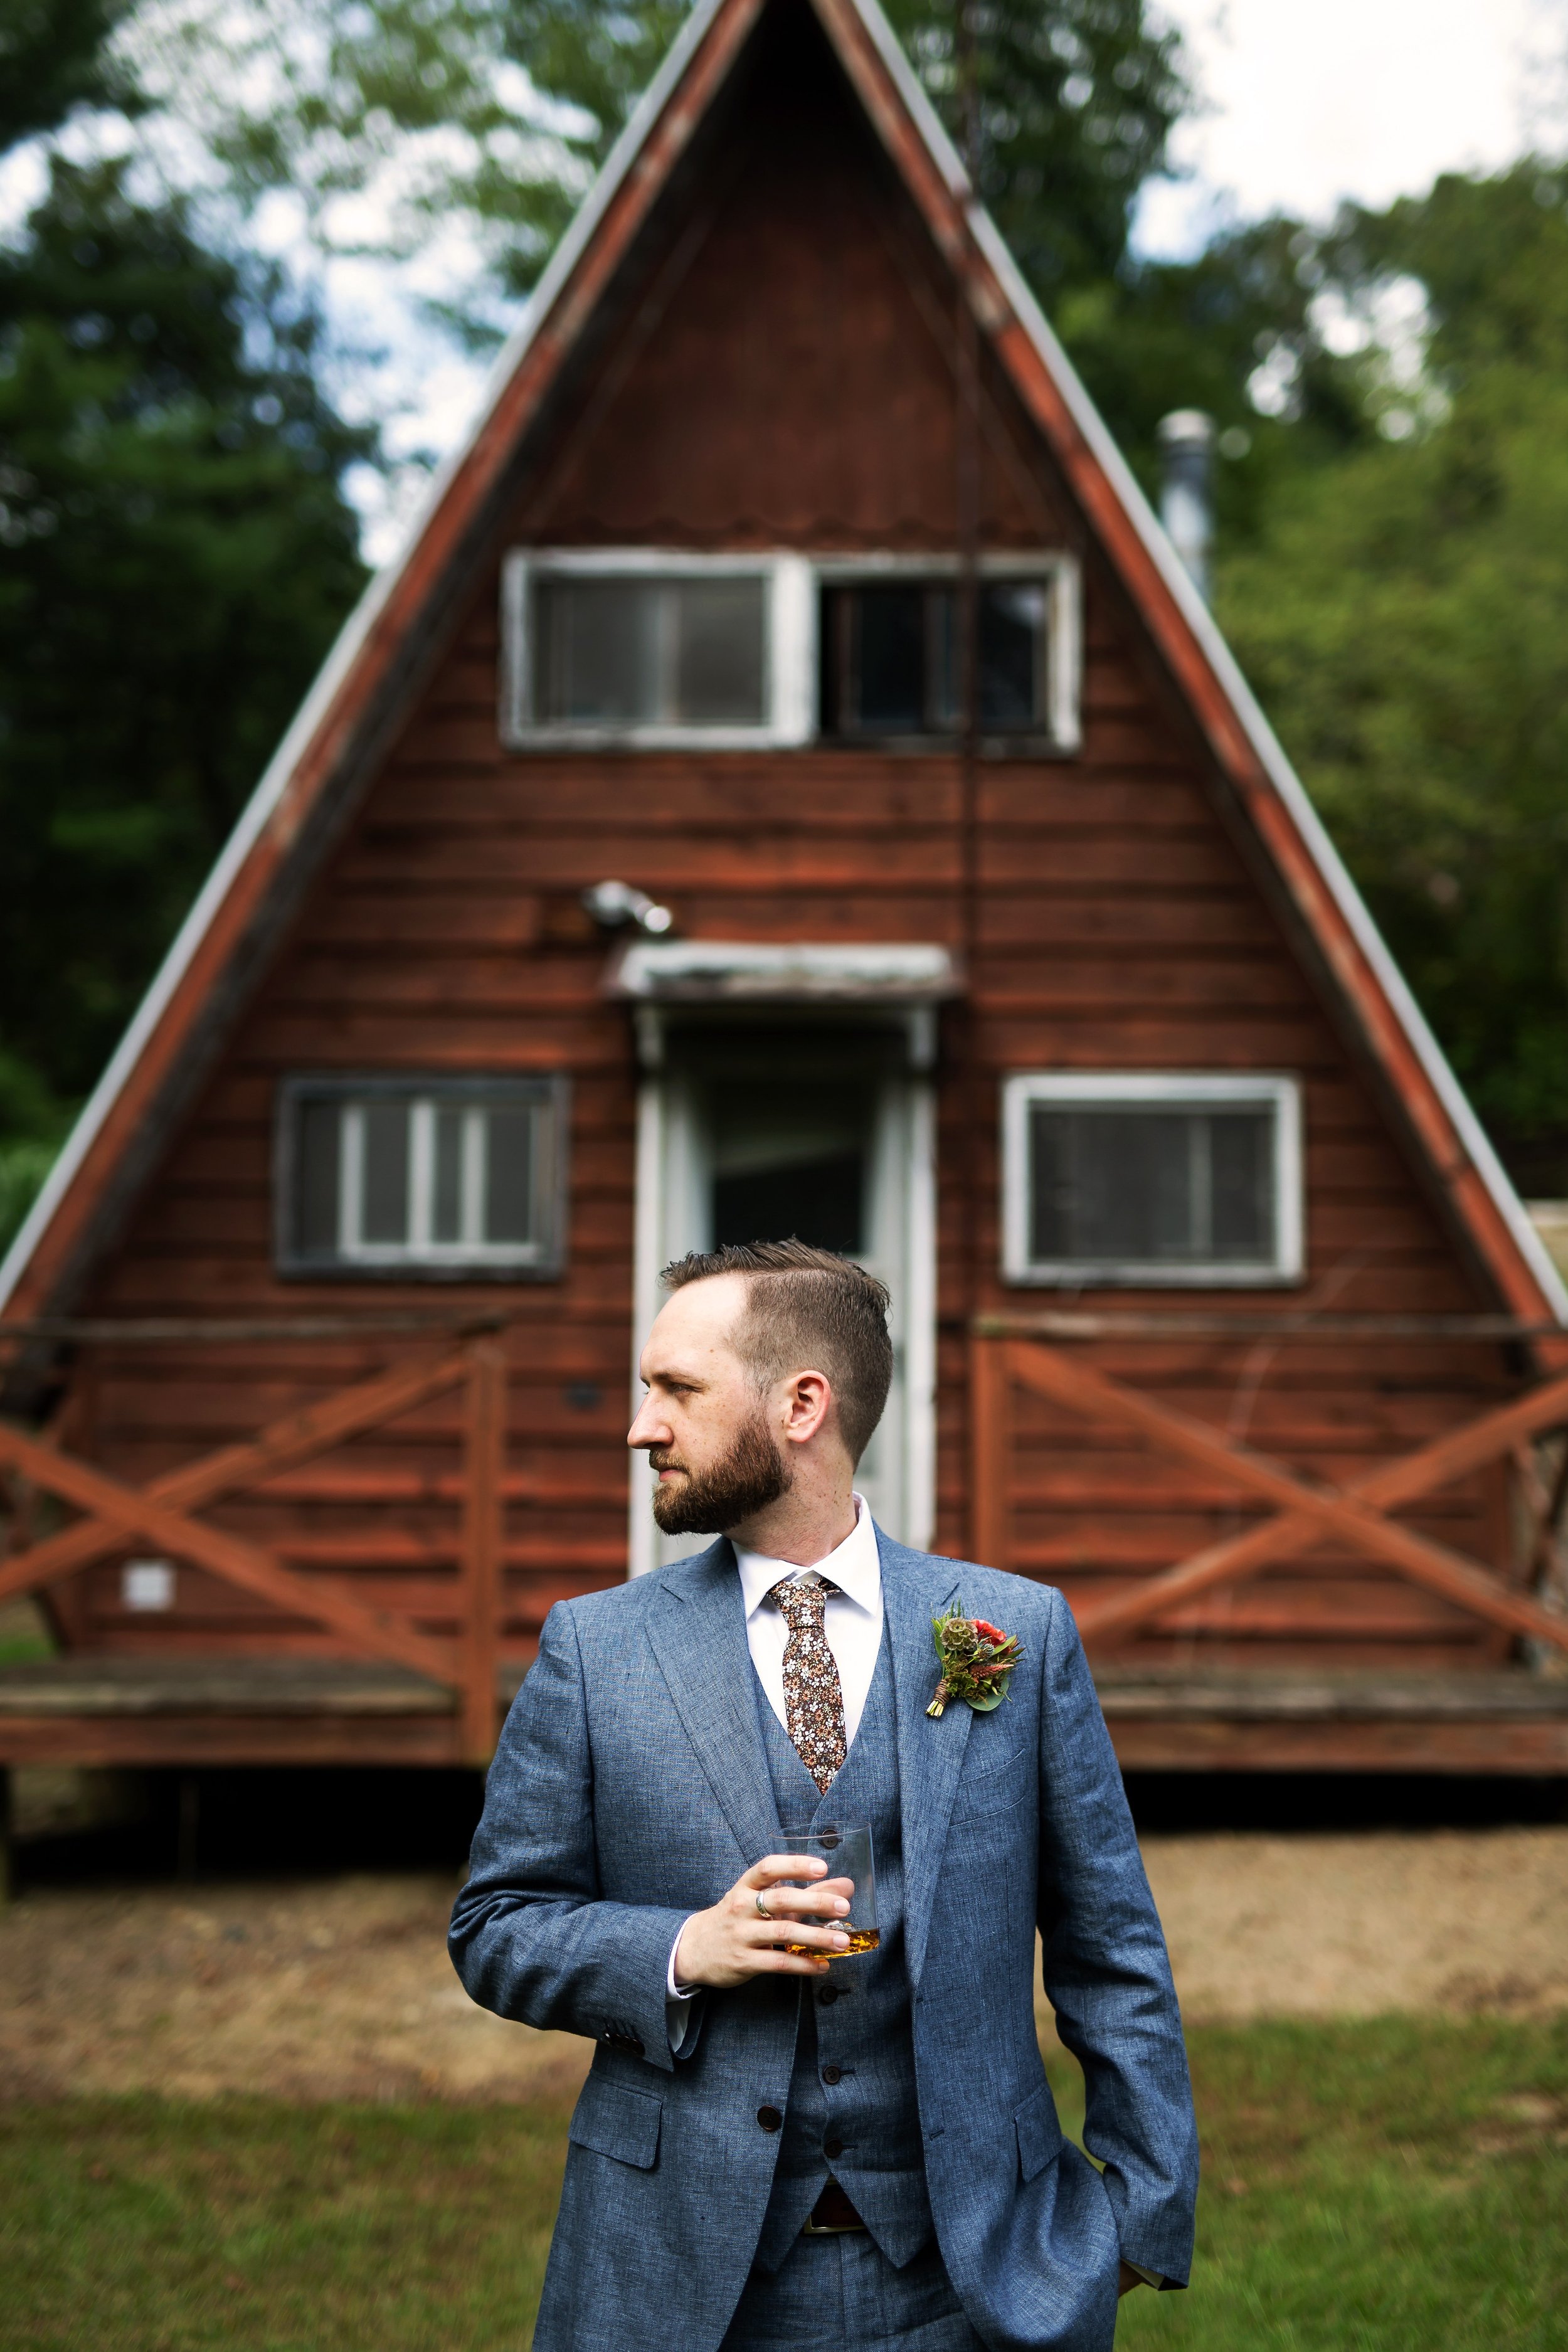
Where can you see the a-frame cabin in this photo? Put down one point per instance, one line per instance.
(1029, 978)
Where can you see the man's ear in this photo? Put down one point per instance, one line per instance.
(808, 1404)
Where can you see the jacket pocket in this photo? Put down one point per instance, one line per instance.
(1039, 2135)
(615, 2122)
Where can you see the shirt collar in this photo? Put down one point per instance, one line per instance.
(855, 1568)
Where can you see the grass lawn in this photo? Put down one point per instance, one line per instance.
(1399, 2184)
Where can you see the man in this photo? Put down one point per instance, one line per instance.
(775, 2148)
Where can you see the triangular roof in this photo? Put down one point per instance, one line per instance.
(363, 688)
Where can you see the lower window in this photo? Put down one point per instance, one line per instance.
(428, 1176)
(1133, 1177)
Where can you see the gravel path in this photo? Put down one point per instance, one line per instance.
(340, 1989)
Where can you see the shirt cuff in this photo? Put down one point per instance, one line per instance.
(678, 1999)
(1156, 2279)
(672, 1991)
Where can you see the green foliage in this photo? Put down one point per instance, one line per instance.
(494, 113)
(1402, 611)
(53, 57)
(1073, 103)
(1159, 335)
(178, 554)
(1063, 108)
(1367, 2187)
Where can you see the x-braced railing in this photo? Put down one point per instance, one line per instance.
(1308, 1512)
(162, 1512)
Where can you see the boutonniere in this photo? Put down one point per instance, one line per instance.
(976, 1660)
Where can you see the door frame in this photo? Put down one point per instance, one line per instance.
(914, 1300)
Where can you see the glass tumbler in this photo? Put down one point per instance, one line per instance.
(847, 1853)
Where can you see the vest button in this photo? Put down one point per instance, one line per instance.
(833, 2074)
(769, 2118)
(828, 1996)
(832, 2147)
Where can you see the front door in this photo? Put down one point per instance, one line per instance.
(761, 1135)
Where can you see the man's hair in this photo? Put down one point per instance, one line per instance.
(808, 1307)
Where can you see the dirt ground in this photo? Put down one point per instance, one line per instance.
(340, 1989)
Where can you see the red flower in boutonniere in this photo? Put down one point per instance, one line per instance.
(976, 1660)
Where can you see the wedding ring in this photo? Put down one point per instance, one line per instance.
(763, 1911)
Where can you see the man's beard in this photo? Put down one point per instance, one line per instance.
(750, 1477)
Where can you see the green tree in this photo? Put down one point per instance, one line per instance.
(1074, 100)
(177, 554)
(55, 56)
(1403, 611)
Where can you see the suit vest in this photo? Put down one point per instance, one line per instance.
(853, 2085)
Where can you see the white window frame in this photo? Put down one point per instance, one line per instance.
(792, 586)
(1062, 728)
(1162, 1089)
(422, 1257)
(789, 683)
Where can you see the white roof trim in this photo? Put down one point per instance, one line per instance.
(725, 971)
(346, 649)
(1199, 619)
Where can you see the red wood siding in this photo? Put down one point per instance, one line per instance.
(785, 378)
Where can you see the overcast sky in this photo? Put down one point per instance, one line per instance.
(1309, 103)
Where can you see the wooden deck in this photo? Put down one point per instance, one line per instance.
(238, 1710)
(248, 1710)
(1506, 1722)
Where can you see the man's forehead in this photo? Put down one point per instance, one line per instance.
(696, 1326)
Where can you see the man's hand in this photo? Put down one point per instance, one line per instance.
(733, 1942)
(1128, 2278)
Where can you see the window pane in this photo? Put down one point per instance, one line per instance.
(719, 654)
(316, 1179)
(788, 1159)
(1012, 629)
(1241, 1146)
(890, 653)
(944, 709)
(446, 1210)
(383, 1210)
(1161, 1186)
(509, 1175)
(598, 651)
(1131, 1184)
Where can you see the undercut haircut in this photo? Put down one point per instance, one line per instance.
(807, 1310)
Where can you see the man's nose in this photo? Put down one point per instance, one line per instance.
(650, 1428)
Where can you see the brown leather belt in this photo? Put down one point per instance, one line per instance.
(832, 2215)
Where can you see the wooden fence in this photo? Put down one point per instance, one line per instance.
(165, 1512)
(1307, 1512)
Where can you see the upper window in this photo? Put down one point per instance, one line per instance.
(644, 646)
(435, 1177)
(889, 636)
(890, 657)
(650, 647)
(1135, 1178)
(650, 653)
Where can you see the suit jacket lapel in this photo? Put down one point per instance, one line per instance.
(916, 1587)
(698, 1629)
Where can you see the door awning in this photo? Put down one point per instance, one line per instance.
(730, 971)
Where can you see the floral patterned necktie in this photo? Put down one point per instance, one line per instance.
(814, 1697)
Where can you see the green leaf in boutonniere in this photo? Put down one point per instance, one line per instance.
(977, 1661)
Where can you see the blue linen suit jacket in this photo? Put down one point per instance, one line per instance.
(631, 1788)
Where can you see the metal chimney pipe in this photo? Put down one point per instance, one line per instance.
(1186, 439)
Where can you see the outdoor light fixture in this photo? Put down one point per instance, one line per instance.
(615, 904)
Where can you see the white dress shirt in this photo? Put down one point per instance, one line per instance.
(852, 1620)
(852, 1624)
